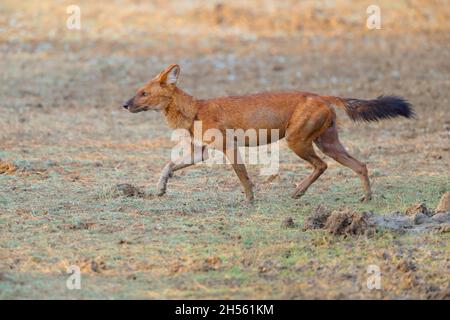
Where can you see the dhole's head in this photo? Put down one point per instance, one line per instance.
(157, 93)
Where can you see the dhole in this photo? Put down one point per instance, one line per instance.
(302, 118)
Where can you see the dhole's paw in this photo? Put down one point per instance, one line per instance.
(365, 198)
(161, 188)
(297, 195)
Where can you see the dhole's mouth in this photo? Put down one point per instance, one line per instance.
(136, 110)
(139, 109)
(145, 108)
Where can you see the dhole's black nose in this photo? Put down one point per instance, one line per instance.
(127, 104)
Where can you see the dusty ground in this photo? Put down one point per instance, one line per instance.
(65, 143)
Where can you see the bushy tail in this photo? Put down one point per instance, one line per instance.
(383, 107)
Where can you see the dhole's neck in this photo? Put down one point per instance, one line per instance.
(181, 111)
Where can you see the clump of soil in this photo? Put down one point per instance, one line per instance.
(270, 266)
(339, 222)
(405, 265)
(420, 218)
(7, 167)
(419, 207)
(445, 227)
(346, 222)
(127, 190)
(318, 219)
(123, 190)
(443, 217)
(209, 264)
(419, 222)
(444, 203)
(202, 265)
(288, 223)
(96, 265)
(439, 295)
(82, 225)
(22, 168)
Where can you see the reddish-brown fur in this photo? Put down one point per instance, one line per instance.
(302, 118)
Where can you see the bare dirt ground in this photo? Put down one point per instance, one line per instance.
(65, 143)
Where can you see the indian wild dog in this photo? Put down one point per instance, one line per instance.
(302, 118)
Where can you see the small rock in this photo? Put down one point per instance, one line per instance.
(131, 277)
(444, 203)
(277, 68)
(288, 223)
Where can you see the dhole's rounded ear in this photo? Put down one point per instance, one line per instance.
(170, 75)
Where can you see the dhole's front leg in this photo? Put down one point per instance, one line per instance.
(239, 167)
(241, 172)
(183, 162)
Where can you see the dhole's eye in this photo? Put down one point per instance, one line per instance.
(144, 94)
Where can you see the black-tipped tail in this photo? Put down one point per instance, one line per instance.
(383, 107)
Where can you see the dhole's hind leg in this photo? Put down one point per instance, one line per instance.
(306, 152)
(329, 143)
(305, 126)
